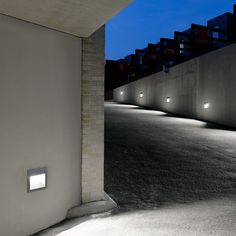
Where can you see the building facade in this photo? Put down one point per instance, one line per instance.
(52, 120)
(193, 42)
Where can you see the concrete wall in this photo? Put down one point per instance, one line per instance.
(40, 104)
(93, 63)
(210, 78)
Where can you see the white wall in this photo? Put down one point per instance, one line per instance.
(40, 104)
(209, 78)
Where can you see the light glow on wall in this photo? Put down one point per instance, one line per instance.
(206, 105)
(141, 95)
(36, 179)
(168, 100)
(121, 93)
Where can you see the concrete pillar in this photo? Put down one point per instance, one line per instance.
(93, 62)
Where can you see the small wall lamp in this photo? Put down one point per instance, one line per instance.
(206, 105)
(36, 179)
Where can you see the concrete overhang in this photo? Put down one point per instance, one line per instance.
(77, 17)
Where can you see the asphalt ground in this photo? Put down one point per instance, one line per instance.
(155, 159)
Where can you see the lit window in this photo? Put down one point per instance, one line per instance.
(141, 95)
(121, 93)
(215, 34)
(168, 99)
(141, 60)
(181, 46)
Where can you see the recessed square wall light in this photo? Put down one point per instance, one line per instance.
(141, 95)
(121, 93)
(206, 105)
(36, 179)
(168, 100)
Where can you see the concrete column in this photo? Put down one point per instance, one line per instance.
(93, 62)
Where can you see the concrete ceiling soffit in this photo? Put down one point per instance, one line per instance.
(77, 17)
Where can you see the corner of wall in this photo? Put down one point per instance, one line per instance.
(93, 61)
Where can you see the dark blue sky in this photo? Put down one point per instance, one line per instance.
(146, 21)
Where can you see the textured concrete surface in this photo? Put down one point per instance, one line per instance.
(206, 79)
(169, 176)
(77, 17)
(92, 208)
(93, 59)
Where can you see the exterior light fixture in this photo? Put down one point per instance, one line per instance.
(36, 179)
(141, 95)
(168, 99)
(121, 93)
(206, 105)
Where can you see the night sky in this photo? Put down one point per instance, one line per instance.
(146, 21)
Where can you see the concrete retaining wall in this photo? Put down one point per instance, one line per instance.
(210, 78)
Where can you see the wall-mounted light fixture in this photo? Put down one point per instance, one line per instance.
(141, 95)
(121, 93)
(36, 179)
(168, 100)
(206, 105)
